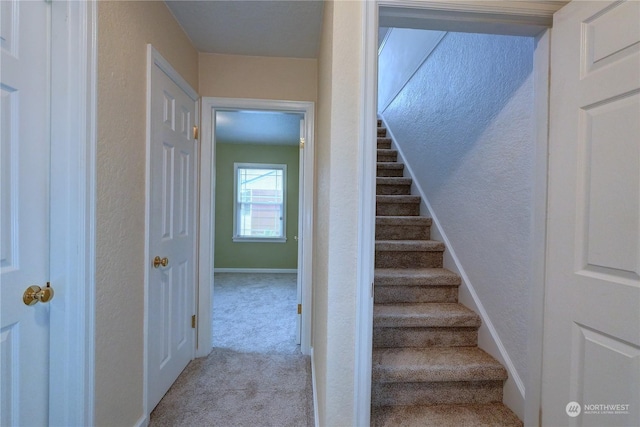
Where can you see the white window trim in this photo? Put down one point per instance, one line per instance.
(240, 239)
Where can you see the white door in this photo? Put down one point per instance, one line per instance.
(24, 212)
(171, 300)
(592, 302)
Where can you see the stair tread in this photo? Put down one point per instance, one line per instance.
(390, 165)
(424, 315)
(409, 245)
(435, 364)
(478, 415)
(403, 220)
(419, 276)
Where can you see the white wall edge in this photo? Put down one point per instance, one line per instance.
(314, 390)
(207, 210)
(147, 212)
(488, 338)
(73, 212)
(256, 270)
(367, 150)
(541, 64)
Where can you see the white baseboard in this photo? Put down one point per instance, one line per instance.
(488, 338)
(314, 390)
(256, 270)
(142, 422)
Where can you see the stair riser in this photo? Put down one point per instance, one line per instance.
(409, 294)
(384, 143)
(402, 232)
(382, 132)
(408, 259)
(393, 189)
(463, 392)
(424, 337)
(384, 172)
(387, 156)
(397, 209)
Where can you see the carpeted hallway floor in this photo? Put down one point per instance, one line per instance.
(255, 375)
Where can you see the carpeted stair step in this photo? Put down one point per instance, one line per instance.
(379, 123)
(385, 156)
(393, 186)
(424, 325)
(389, 169)
(398, 205)
(435, 375)
(486, 415)
(409, 254)
(384, 143)
(407, 285)
(382, 131)
(403, 227)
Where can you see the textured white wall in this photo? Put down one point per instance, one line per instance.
(124, 29)
(404, 50)
(336, 227)
(465, 121)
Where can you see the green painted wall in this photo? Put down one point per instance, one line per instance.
(230, 254)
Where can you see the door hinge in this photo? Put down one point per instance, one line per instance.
(299, 308)
(193, 321)
(301, 142)
(195, 132)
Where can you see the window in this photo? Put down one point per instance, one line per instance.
(259, 208)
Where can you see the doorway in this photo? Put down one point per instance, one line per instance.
(507, 21)
(256, 241)
(230, 230)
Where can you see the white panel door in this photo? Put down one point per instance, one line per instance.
(24, 212)
(592, 302)
(171, 234)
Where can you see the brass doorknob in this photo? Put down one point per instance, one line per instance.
(157, 262)
(35, 294)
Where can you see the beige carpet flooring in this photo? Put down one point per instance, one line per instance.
(255, 374)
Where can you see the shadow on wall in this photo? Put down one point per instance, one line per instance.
(458, 93)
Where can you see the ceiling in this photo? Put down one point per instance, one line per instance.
(276, 28)
(289, 28)
(258, 127)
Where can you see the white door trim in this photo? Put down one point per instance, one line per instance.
(207, 211)
(154, 58)
(73, 182)
(367, 154)
(522, 18)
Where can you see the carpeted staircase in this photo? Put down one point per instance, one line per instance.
(427, 367)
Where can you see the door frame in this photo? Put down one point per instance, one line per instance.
(531, 19)
(73, 211)
(155, 59)
(207, 211)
